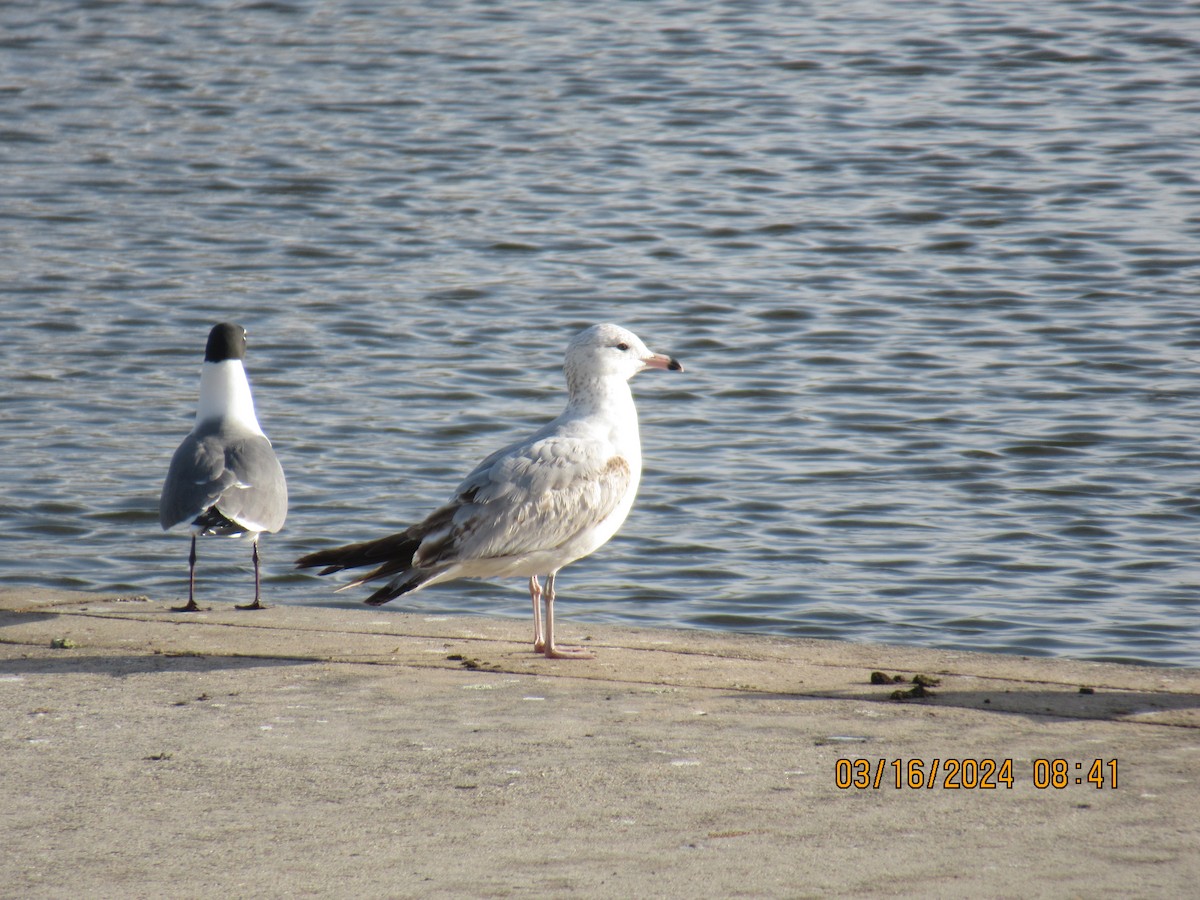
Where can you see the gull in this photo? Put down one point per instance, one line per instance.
(536, 505)
(224, 478)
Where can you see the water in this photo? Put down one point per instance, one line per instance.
(931, 267)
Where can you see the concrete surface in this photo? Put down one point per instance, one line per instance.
(314, 752)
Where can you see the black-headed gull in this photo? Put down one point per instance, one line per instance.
(224, 478)
(536, 505)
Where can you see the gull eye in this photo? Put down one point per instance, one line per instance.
(622, 347)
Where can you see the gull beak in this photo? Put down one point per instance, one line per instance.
(659, 361)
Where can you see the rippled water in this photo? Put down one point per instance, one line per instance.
(931, 267)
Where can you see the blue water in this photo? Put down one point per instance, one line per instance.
(931, 268)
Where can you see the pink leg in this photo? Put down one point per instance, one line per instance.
(553, 652)
(535, 594)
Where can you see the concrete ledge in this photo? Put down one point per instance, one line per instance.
(328, 751)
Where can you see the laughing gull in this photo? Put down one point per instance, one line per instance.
(536, 505)
(224, 478)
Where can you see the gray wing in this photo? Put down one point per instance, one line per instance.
(238, 473)
(528, 498)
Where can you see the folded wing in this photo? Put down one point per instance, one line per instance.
(239, 474)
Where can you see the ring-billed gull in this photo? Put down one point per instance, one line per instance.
(224, 478)
(536, 505)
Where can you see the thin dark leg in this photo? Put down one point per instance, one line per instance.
(257, 604)
(191, 604)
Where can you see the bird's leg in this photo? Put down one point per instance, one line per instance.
(257, 604)
(191, 604)
(551, 651)
(535, 594)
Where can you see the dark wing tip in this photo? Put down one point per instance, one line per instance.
(319, 558)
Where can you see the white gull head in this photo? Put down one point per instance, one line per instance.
(605, 352)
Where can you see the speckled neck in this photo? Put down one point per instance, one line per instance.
(606, 404)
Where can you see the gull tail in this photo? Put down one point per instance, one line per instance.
(395, 552)
(399, 586)
(392, 554)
